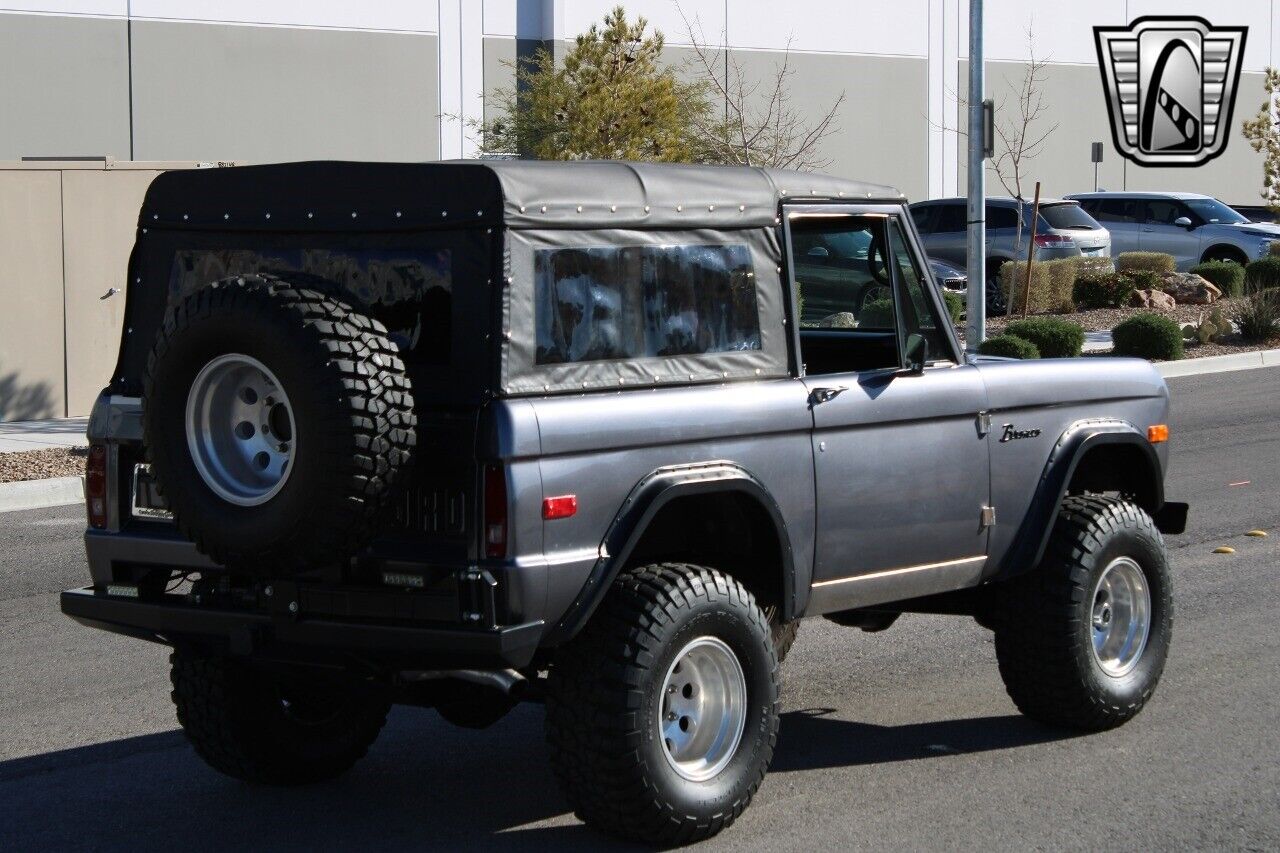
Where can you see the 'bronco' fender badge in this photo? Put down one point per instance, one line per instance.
(1011, 434)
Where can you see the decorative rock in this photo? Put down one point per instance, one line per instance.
(840, 320)
(1152, 299)
(1190, 289)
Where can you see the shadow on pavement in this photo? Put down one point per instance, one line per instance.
(424, 785)
(811, 739)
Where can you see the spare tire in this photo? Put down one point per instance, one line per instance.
(276, 420)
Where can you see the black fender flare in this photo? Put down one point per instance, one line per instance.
(1078, 439)
(643, 502)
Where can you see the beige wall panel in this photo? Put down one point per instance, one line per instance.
(64, 87)
(1075, 102)
(269, 94)
(31, 352)
(882, 125)
(100, 211)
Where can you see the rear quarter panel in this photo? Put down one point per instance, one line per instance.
(599, 446)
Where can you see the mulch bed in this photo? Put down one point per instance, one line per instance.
(42, 464)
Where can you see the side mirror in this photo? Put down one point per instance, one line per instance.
(917, 353)
(818, 252)
(1183, 222)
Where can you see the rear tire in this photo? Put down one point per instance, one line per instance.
(268, 728)
(624, 741)
(1082, 639)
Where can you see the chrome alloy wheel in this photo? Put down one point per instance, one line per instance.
(1121, 617)
(703, 709)
(240, 429)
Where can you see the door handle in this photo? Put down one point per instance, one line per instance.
(1148, 230)
(824, 395)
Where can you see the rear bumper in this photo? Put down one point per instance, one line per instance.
(172, 619)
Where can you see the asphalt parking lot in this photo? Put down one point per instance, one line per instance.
(901, 739)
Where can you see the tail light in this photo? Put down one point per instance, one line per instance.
(95, 486)
(1055, 241)
(495, 511)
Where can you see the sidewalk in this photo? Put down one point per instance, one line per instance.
(39, 435)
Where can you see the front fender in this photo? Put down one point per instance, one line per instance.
(643, 502)
(1074, 444)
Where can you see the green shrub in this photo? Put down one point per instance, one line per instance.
(1107, 290)
(1053, 337)
(1227, 276)
(1264, 272)
(1009, 346)
(1051, 284)
(1274, 247)
(955, 305)
(1150, 336)
(1259, 315)
(1157, 262)
(877, 314)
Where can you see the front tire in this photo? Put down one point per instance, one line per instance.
(1082, 640)
(268, 728)
(663, 713)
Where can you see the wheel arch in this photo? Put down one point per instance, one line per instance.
(1089, 456)
(1225, 251)
(661, 498)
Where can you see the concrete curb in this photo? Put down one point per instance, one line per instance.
(1220, 363)
(38, 494)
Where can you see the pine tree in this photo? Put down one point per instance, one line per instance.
(611, 99)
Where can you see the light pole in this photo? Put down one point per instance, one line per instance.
(976, 303)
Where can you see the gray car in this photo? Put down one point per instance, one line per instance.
(1063, 231)
(1191, 227)
(595, 435)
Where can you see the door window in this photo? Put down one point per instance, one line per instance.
(917, 308)
(1164, 211)
(1001, 217)
(951, 217)
(1123, 210)
(844, 288)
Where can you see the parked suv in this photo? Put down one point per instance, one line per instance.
(1193, 228)
(1063, 231)
(598, 435)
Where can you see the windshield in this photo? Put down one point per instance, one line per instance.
(1068, 216)
(1212, 210)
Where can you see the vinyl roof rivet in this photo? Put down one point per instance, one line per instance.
(613, 208)
(226, 216)
(544, 208)
(646, 208)
(741, 208)
(268, 216)
(443, 214)
(353, 214)
(184, 217)
(144, 231)
(397, 214)
(310, 214)
(841, 193)
(155, 216)
(138, 280)
(679, 208)
(579, 208)
(479, 213)
(522, 208)
(710, 207)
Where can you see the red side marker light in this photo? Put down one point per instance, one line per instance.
(562, 506)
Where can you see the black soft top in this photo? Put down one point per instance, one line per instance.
(520, 194)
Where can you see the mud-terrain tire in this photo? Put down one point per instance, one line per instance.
(348, 428)
(784, 637)
(1066, 634)
(614, 704)
(263, 728)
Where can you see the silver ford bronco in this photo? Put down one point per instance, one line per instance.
(597, 435)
